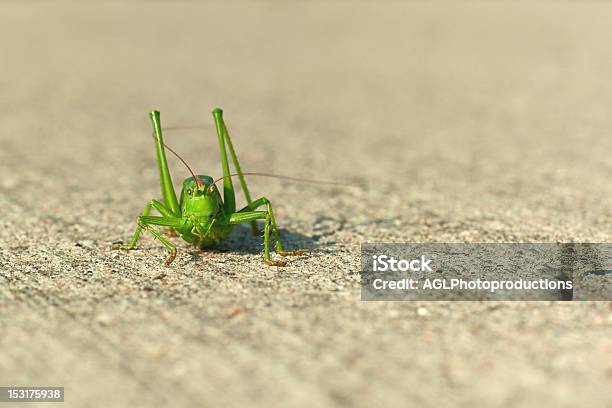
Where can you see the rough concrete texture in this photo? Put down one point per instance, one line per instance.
(468, 122)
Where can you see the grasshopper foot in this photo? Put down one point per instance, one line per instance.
(170, 258)
(275, 263)
(291, 253)
(121, 245)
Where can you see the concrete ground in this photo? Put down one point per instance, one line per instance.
(463, 122)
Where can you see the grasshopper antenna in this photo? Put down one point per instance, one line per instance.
(197, 180)
(278, 176)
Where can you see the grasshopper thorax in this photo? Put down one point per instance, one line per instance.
(201, 198)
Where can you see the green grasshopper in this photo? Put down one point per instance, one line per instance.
(201, 217)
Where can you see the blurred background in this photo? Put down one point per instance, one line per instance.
(463, 121)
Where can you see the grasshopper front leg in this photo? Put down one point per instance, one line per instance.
(248, 214)
(152, 204)
(145, 222)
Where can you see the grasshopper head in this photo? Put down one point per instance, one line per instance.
(200, 198)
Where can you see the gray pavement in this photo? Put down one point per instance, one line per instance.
(462, 122)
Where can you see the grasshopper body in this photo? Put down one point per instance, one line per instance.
(201, 216)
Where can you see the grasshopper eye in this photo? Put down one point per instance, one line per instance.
(189, 191)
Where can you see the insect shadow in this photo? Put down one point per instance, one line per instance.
(242, 241)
